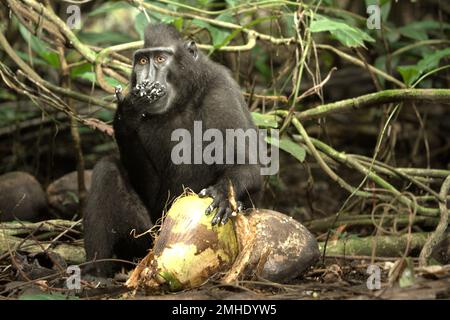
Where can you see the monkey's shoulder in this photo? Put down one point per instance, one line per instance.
(224, 107)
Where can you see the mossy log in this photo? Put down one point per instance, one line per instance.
(10, 240)
(71, 253)
(386, 246)
(322, 225)
(15, 228)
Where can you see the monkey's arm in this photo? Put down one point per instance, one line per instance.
(128, 127)
(225, 109)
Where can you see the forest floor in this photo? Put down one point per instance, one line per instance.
(39, 275)
(339, 279)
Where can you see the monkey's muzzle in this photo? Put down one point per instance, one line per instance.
(153, 91)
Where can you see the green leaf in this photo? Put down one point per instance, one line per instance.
(109, 7)
(6, 95)
(99, 38)
(289, 146)
(260, 58)
(419, 30)
(36, 60)
(162, 17)
(232, 35)
(90, 76)
(347, 35)
(416, 34)
(288, 22)
(411, 73)
(385, 10)
(226, 17)
(218, 35)
(408, 73)
(265, 120)
(407, 278)
(140, 23)
(78, 70)
(113, 82)
(141, 20)
(40, 47)
(380, 63)
(234, 3)
(105, 115)
(201, 3)
(432, 61)
(178, 23)
(392, 35)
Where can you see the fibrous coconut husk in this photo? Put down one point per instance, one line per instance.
(273, 246)
(188, 250)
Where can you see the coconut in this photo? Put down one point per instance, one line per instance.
(188, 250)
(273, 246)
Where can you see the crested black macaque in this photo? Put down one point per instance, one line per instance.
(172, 85)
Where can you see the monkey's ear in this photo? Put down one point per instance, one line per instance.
(192, 48)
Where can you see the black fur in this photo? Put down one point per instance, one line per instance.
(204, 91)
(113, 209)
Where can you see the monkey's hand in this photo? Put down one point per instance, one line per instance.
(149, 92)
(222, 200)
(118, 92)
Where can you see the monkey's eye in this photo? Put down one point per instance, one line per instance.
(143, 60)
(160, 58)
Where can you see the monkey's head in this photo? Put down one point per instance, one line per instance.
(168, 59)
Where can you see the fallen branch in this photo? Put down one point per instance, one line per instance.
(19, 228)
(71, 253)
(323, 225)
(13, 237)
(386, 246)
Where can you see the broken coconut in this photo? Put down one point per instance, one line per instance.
(273, 246)
(188, 250)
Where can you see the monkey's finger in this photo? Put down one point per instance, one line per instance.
(227, 215)
(207, 192)
(209, 210)
(218, 216)
(118, 92)
(212, 206)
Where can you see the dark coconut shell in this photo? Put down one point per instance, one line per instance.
(273, 246)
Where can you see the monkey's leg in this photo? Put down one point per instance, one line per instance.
(113, 210)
